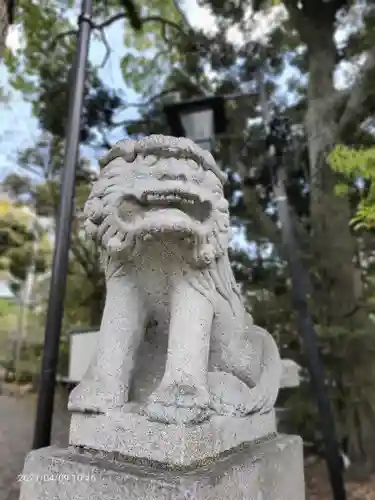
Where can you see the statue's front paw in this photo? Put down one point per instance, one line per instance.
(180, 404)
(92, 397)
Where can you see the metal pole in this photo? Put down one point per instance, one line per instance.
(306, 327)
(43, 424)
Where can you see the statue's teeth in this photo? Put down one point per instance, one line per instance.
(168, 197)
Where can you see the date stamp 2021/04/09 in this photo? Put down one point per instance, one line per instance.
(61, 478)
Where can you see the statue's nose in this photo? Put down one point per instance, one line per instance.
(171, 176)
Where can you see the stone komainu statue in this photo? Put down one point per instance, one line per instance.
(175, 337)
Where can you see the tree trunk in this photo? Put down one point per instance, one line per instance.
(3, 26)
(97, 303)
(337, 293)
(334, 244)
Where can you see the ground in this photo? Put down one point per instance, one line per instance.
(16, 430)
(318, 485)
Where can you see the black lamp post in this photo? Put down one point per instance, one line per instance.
(278, 141)
(196, 120)
(42, 432)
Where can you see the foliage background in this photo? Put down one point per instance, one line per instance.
(297, 49)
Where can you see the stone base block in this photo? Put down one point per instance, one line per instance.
(131, 434)
(271, 470)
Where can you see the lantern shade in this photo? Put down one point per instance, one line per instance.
(199, 126)
(199, 120)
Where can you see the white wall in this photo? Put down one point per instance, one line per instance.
(82, 347)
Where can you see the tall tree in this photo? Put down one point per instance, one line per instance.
(17, 239)
(332, 117)
(84, 299)
(4, 22)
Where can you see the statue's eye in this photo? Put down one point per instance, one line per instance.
(192, 164)
(150, 160)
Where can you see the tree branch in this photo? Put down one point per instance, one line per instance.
(89, 255)
(182, 14)
(107, 49)
(149, 19)
(361, 99)
(296, 15)
(139, 105)
(59, 36)
(30, 170)
(117, 17)
(83, 256)
(127, 123)
(152, 99)
(266, 225)
(80, 259)
(106, 143)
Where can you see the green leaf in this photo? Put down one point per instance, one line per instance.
(353, 164)
(260, 4)
(10, 60)
(341, 189)
(143, 74)
(23, 85)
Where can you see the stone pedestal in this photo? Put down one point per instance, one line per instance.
(268, 470)
(129, 434)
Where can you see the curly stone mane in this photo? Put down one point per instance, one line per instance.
(116, 181)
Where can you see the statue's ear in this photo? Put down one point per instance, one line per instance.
(123, 149)
(209, 163)
(93, 210)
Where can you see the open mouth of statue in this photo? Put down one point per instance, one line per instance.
(188, 203)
